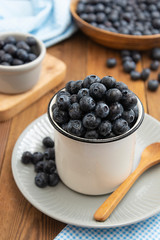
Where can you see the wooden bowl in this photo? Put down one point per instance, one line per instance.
(114, 40)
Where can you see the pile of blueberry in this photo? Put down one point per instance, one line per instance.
(44, 164)
(17, 52)
(133, 17)
(131, 58)
(95, 108)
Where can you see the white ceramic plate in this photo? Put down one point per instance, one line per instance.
(65, 205)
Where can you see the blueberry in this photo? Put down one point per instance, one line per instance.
(136, 56)
(22, 54)
(99, 7)
(23, 45)
(31, 57)
(80, 8)
(63, 102)
(62, 92)
(41, 179)
(39, 166)
(7, 58)
(48, 142)
(17, 62)
(49, 154)
(84, 16)
(113, 95)
(91, 17)
(31, 41)
(135, 75)
(69, 86)
(105, 128)
(97, 90)
(126, 59)
(27, 157)
(108, 81)
(5, 64)
(75, 111)
(128, 99)
(129, 66)
(10, 39)
(54, 106)
(136, 111)
(49, 167)
(115, 111)
(76, 86)
(100, 17)
(91, 134)
(10, 48)
(125, 53)
(159, 77)
(89, 80)
(145, 74)
(153, 85)
(82, 92)
(37, 157)
(90, 121)
(120, 126)
(53, 179)
(156, 23)
(102, 110)
(154, 65)
(2, 43)
(60, 116)
(87, 104)
(73, 98)
(155, 54)
(129, 115)
(111, 62)
(75, 127)
(2, 52)
(121, 86)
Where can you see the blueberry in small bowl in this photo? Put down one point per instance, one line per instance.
(21, 58)
(95, 135)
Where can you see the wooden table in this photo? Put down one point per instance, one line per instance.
(18, 218)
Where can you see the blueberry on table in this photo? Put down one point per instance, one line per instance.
(48, 142)
(90, 121)
(97, 91)
(111, 62)
(155, 54)
(75, 127)
(135, 75)
(105, 128)
(113, 95)
(108, 81)
(41, 179)
(129, 66)
(154, 65)
(37, 157)
(102, 110)
(87, 104)
(27, 157)
(158, 78)
(89, 80)
(53, 179)
(136, 56)
(153, 85)
(125, 53)
(120, 126)
(145, 74)
(49, 153)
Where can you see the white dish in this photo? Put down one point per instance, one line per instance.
(65, 205)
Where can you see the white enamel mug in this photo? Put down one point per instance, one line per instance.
(92, 166)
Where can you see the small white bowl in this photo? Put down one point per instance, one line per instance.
(21, 78)
(94, 166)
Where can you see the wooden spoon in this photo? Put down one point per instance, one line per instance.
(150, 157)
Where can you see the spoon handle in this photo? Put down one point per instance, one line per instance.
(104, 211)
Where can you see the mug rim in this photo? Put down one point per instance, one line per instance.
(96, 141)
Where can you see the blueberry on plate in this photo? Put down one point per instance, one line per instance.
(120, 126)
(53, 179)
(37, 157)
(41, 179)
(49, 166)
(39, 166)
(49, 153)
(153, 85)
(27, 157)
(48, 142)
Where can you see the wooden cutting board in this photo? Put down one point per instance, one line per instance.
(52, 74)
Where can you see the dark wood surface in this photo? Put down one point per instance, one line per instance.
(18, 218)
